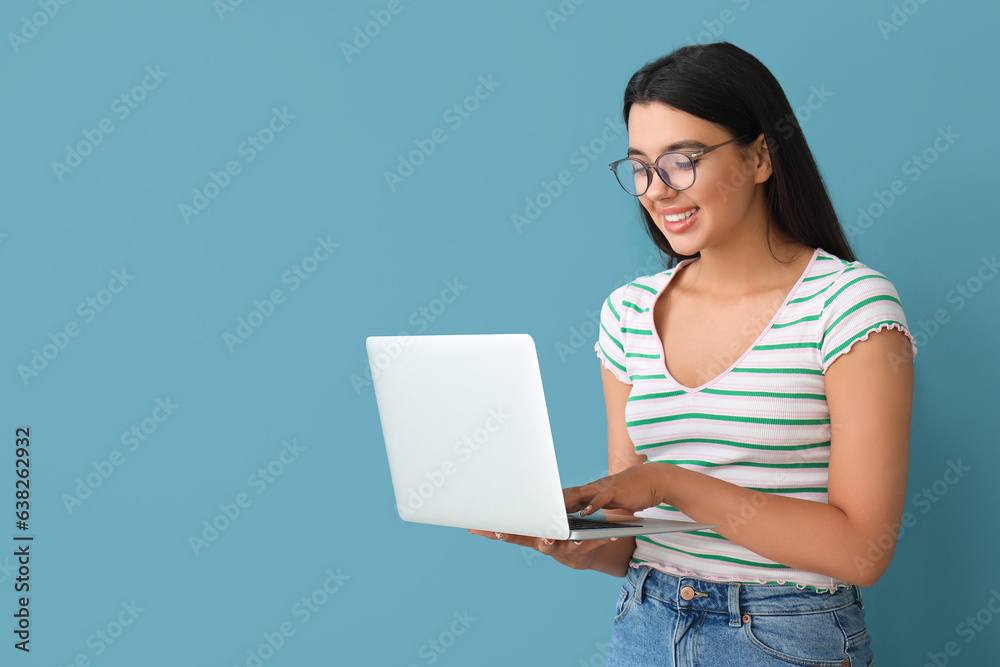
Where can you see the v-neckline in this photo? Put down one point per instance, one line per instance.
(763, 333)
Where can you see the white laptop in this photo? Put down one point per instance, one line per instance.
(468, 439)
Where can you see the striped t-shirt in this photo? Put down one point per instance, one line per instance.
(762, 422)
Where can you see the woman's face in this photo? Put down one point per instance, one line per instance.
(724, 205)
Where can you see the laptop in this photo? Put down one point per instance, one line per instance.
(468, 440)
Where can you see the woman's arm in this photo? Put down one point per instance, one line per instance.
(851, 537)
(613, 557)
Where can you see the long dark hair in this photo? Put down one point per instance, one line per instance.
(725, 85)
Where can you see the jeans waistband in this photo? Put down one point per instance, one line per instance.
(734, 598)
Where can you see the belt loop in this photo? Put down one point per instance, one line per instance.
(857, 594)
(641, 581)
(734, 605)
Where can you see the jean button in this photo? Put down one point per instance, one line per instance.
(687, 593)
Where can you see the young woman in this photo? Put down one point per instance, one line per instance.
(763, 383)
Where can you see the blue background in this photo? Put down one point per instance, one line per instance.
(557, 72)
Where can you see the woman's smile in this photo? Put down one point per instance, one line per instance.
(677, 219)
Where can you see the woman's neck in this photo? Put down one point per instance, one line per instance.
(748, 267)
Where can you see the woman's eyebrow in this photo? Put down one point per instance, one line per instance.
(687, 143)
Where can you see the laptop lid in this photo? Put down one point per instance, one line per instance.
(467, 432)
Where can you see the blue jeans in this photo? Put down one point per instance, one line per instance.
(683, 622)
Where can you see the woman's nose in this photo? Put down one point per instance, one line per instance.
(658, 189)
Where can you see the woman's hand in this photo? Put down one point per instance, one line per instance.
(634, 489)
(631, 490)
(577, 555)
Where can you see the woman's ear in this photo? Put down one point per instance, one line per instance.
(762, 157)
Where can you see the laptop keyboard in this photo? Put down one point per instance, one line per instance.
(576, 523)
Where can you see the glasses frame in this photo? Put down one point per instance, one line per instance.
(652, 166)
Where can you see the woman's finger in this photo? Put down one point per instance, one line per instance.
(578, 497)
(510, 538)
(483, 533)
(547, 546)
(604, 498)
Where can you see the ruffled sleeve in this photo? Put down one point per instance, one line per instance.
(862, 302)
(610, 346)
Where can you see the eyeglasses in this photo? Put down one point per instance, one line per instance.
(675, 169)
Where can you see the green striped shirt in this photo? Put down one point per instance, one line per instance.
(759, 417)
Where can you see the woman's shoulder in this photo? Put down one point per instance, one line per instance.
(651, 284)
(856, 301)
(836, 276)
(638, 294)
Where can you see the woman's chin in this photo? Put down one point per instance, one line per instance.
(683, 246)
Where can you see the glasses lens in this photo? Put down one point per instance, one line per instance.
(677, 170)
(632, 176)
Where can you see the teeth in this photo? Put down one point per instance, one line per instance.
(680, 216)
